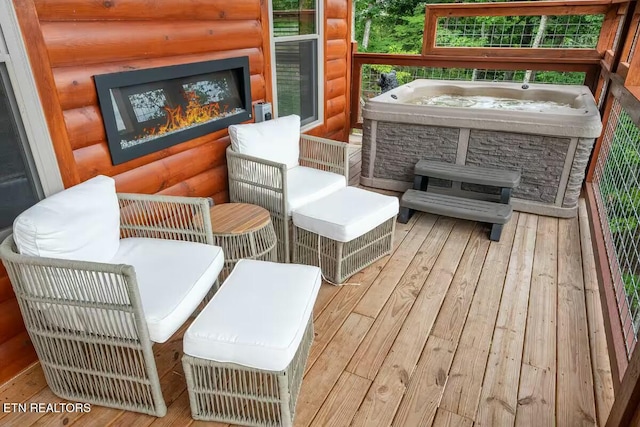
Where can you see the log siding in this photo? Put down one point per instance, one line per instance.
(70, 41)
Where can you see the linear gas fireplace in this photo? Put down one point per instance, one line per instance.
(152, 109)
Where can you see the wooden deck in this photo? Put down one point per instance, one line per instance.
(451, 330)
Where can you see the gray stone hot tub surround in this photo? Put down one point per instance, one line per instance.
(552, 157)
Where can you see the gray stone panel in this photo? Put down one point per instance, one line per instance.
(366, 147)
(576, 176)
(400, 146)
(540, 159)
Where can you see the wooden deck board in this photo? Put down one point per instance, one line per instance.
(455, 308)
(576, 403)
(343, 401)
(452, 330)
(342, 304)
(21, 388)
(445, 418)
(420, 402)
(602, 381)
(426, 385)
(376, 297)
(462, 392)
(373, 350)
(390, 384)
(536, 396)
(327, 370)
(499, 396)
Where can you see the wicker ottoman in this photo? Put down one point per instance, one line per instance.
(344, 232)
(245, 353)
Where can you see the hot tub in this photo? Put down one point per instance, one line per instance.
(548, 137)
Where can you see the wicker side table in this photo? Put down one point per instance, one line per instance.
(243, 231)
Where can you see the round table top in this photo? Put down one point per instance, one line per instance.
(238, 218)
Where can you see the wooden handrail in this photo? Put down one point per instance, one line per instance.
(521, 8)
(612, 11)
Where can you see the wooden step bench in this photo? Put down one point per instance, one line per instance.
(496, 214)
(506, 180)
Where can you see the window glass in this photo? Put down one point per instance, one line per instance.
(297, 79)
(294, 17)
(17, 190)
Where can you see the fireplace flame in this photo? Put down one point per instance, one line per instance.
(194, 113)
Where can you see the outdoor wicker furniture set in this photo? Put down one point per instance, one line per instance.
(101, 276)
(302, 181)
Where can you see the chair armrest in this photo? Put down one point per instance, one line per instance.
(62, 288)
(325, 154)
(165, 217)
(39, 275)
(257, 181)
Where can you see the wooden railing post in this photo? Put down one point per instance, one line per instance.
(356, 81)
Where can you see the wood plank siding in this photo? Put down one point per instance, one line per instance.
(70, 41)
(450, 329)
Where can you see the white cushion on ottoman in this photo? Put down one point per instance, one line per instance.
(258, 317)
(346, 214)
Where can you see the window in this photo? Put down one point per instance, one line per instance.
(18, 187)
(29, 168)
(297, 58)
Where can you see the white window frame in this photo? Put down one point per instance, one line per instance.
(13, 54)
(319, 36)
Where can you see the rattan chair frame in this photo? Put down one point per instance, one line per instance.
(232, 393)
(85, 319)
(264, 183)
(341, 260)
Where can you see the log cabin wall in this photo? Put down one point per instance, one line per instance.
(69, 41)
(337, 70)
(82, 39)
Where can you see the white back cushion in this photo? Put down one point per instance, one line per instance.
(275, 140)
(80, 223)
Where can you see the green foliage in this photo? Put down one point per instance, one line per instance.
(396, 26)
(632, 289)
(451, 38)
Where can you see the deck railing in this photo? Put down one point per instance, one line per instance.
(546, 46)
(613, 194)
(616, 185)
(553, 43)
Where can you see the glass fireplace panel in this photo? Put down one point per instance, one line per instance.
(151, 109)
(146, 111)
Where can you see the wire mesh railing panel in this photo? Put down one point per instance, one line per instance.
(617, 185)
(405, 74)
(633, 44)
(568, 31)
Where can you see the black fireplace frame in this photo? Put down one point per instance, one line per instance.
(106, 82)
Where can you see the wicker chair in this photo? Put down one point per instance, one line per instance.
(268, 183)
(93, 322)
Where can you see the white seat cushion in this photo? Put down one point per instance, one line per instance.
(305, 185)
(80, 223)
(276, 140)
(346, 214)
(258, 317)
(173, 278)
